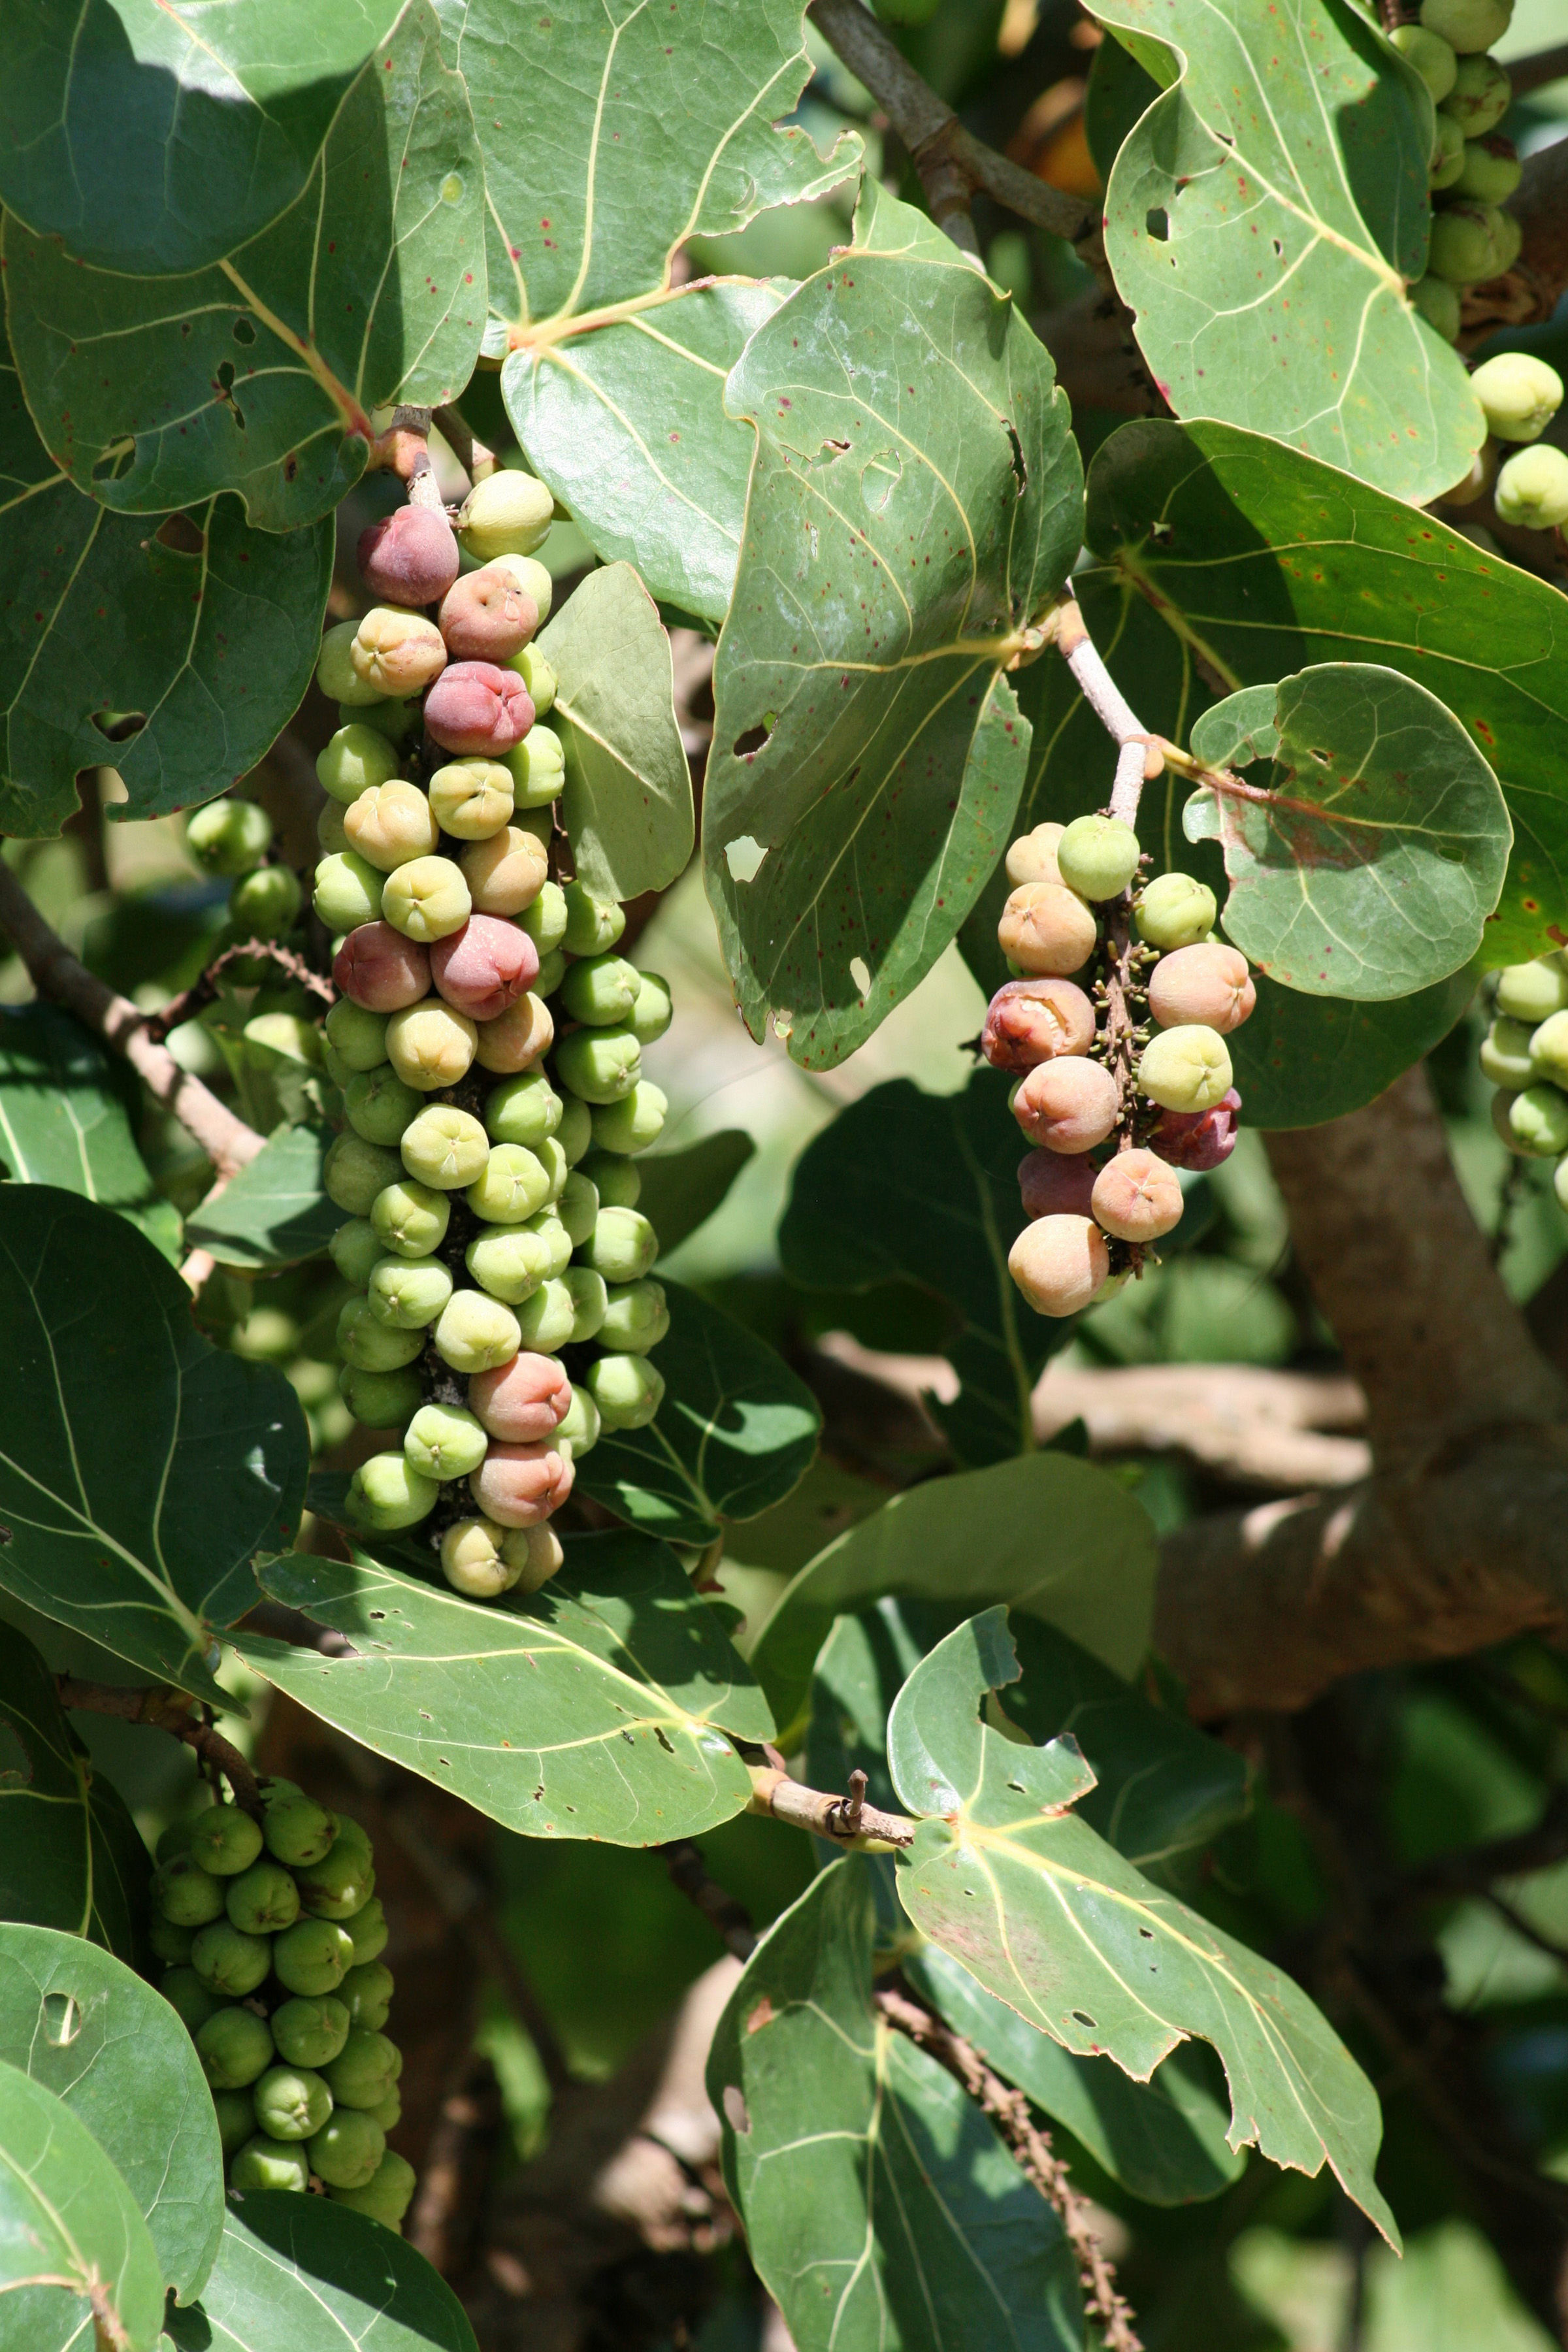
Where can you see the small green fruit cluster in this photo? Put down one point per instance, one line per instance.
(232, 839)
(1073, 1052)
(273, 1936)
(1525, 1056)
(487, 1042)
(1473, 171)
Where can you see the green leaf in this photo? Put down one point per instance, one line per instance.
(260, 373)
(925, 1186)
(307, 2273)
(1302, 1060)
(1371, 869)
(70, 1855)
(63, 1120)
(1005, 1876)
(70, 2234)
(627, 426)
(141, 1470)
(1262, 219)
(590, 1712)
(1262, 561)
(99, 2037)
(274, 1211)
(627, 803)
(1064, 1541)
(914, 506)
(879, 2206)
(680, 1190)
(736, 1431)
(213, 650)
(148, 142)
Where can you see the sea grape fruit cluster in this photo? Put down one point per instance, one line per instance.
(271, 1934)
(1114, 1043)
(1525, 1056)
(487, 1042)
(1473, 171)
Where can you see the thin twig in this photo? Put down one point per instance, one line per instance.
(57, 974)
(203, 992)
(171, 1711)
(787, 1799)
(688, 1873)
(476, 460)
(1031, 2148)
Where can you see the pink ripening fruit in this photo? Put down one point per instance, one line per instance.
(521, 1402)
(1033, 1021)
(474, 708)
(1058, 1263)
(1069, 1105)
(485, 967)
(519, 1485)
(486, 616)
(1198, 1140)
(378, 968)
(1057, 1184)
(410, 557)
(1136, 1197)
(1209, 983)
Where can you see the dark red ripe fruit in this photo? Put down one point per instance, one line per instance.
(477, 710)
(410, 557)
(1054, 1184)
(1033, 1021)
(1198, 1140)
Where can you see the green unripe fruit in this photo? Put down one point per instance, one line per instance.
(532, 1556)
(636, 1319)
(508, 513)
(1098, 856)
(1548, 1048)
(1509, 232)
(556, 1167)
(536, 675)
(169, 1942)
(357, 759)
(388, 718)
(176, 1838)
(387, 2112)
(578, 1429)
(426, 899)
(1480, 97)
(230, 1960)
(544, 920)
(408, 1293)
(616, 1180)
(578, 1206)
(471, 1561)
(1447, 164)
(380, 1399)
(336, 1068)
(346, 2152)
(652, 1013)
(525, 1110)
(236, 2119)
(633, 1124)
(185, 1893)
(476, 1333)
(292, 2103)
(431, 1044)
(552, 972)
(312, 2032)
(510, 1263)
(297, 1829)
(224, 1841)
(622, 1246)
(627, 1391)
(410, 1220)
(590, 1297)
(1186, 1068)
(576, 1132)
(370, 1345)
(546, 1317)
(355, 1171)
(367, 1930)
(538, 768)
(1439, 304)
(289, 1033)
(591, 924)
(1432, 58)
(264, 1900)
(347, 892)
(442, 1442)
(1519, 396)
(235, 2046)
(1174, 911)
(367, 1995)
(512, 1186)
(1505, 1055)
(534, 579)
(1537, 1121)
(600, 1065)
(1532, 489)
(386, 2196)
(1489, 171)
(1531, 991)
(359, 1036)
(313, 1956)
(444, 1148)
(556, 1240)
(380, 1107)
(384, 1494)
(472, 799)
(337, 677)
(266, 2163)
(1463, 249)
(365, 2070)
(1468, 24)
(266, 904)
(602, 989)
(228, 836)
(189, 1999)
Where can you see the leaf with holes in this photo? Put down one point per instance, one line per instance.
(276, 1211)
(1262, 219)
(306, 2272)
(260, 373)
(628, 801)
(914, 506)
(590, 1712)
(736, 1431)
(1261, 561)
(1006, 1877)
(99, 2037)
(141, 1469)
(73, 2247)
(193, 647)
(71, 1855)
(65, 1119)
(880, 2207)
(681, 1190)
(1366, 841)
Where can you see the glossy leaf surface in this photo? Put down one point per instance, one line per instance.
(274, 1211)
(1302, 1060)
(65, 1119)
(70, 1855)
(73, 2245)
